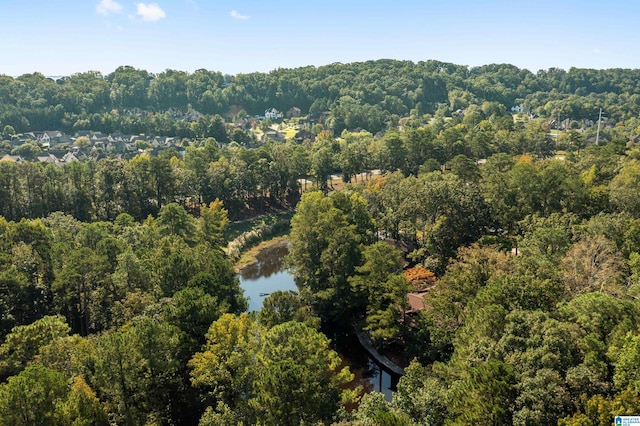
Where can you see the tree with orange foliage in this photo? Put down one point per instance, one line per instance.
(420, 278)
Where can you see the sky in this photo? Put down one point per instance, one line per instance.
(64, 37)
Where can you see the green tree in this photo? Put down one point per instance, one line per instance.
(448, 213)
(216, 129)
(623, 188)
(532, 341)
(129, 87)
(298, 376)
(192, 310)
(382, 290)
(72, 355)
(31, 397)
(599, 410)
(23, 298)
(24, 342)
(8, 131)
(419, 145)
(81, 407)
(465, 168)
(112, 193)
(394, 152)
(225, 369)
(162, 179)
(28, 150)
(169, 89)
(322, 164)
(173, 219)
(524, 187)
(421, 395)
(211, 225)
(325, 250)
(542, 399)
(83, 142)
(449, 298)
(374, 410)
(625, 375)
(496, 190)
(140, 187)
(197, 159)
(79, 186)
(284, 306)
(81, 288)
(137, 371)
(485, 396)
(221, 416)
(130, 273)
(10, 190)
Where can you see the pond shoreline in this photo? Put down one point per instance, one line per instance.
(250, 256)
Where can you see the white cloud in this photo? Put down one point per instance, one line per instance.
(108, 7)
(150, 12)
(235, 15)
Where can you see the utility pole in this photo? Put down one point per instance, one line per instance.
(598, 131)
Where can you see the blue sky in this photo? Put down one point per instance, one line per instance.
(62, 37)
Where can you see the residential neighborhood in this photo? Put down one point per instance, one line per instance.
(61, 148)
(58, 147)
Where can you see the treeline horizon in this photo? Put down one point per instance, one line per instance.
(56, 76)
(371, 95)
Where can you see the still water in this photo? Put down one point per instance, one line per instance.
(268, 275)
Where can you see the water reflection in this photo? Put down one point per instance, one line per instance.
(266, 275)
(269, 261)
(367, 373)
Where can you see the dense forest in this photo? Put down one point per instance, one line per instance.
(118, 304)
(370, 95)
(532, 318)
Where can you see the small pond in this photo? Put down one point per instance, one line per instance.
(268, 275)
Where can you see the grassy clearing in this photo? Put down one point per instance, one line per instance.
(290, 132)
(520, 118)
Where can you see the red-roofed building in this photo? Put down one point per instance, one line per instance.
(415, 301)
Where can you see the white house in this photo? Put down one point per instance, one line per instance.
(272, 114)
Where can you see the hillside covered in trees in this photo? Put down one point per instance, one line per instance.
(118, 304)
(370, 95)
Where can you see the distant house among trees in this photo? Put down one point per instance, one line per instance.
(272, 114)
(294, 112)
(12, 158)
(304, 134)
(192, 115)
(273, 135)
